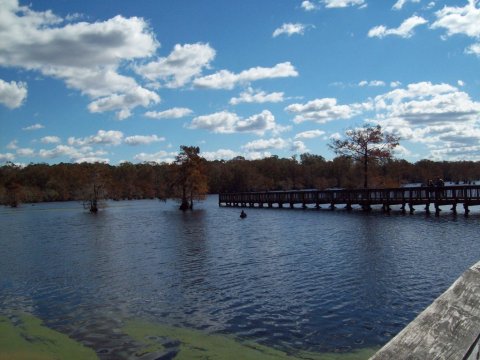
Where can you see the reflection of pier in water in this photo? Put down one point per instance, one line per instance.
(467, 195)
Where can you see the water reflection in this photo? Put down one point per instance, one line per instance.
(312, 280)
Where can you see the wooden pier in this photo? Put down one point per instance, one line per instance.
(466, 195)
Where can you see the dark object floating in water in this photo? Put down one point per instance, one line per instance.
(243, 215)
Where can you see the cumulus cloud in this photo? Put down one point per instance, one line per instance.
(438, 115)
(78, 155)
(372, 83)
(343, 3)
(400, 3)
(7, 157)
(290, 29)
(25, 152)
(266, 144)
(220, 154)
(87, 56)
(50, 139)
(225, 122)
(324, 110)
(173, 113)
(142, 139)
(102, 137)
(461, 21)
(262, 145)
(405, 30)
(225, 79)
(310, 134)
(12, 94)
(257, 96)
(308, 5)
(33, 127)
(158, 157)
(177, 69)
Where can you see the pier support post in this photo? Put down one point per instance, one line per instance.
(270, 205)
(465, 207)
(437, 209)
(280, 205)
(454, 208)
(412, 209)
(366, 207)
(332, 206)
(348, 207)
(317, 206)
(427, 208)
(403, 208)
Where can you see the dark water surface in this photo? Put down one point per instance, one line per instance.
(293, 279)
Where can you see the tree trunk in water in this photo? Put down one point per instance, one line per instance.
(365, 172)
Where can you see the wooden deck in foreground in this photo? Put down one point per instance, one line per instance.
(468, 195)
(448, 329)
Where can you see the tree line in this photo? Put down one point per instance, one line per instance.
(191, 176)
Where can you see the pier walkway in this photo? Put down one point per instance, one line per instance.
(467, 195)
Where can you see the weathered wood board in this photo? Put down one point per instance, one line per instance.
(448, 329)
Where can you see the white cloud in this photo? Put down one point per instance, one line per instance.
(405, 30)
(50, 139)
(459, 20)
(7, 157)
(342, 3)
(227, 123)
(298, 147)
(325, 110)
(33, 127)
(290, 29)
(437, 115)
(310, 134)
(220, 154)
(123, 103)
(473, 49)
(225, 79)
(24, 152)
(257, 96)
(158, 157)
(173, 113)
(87, 56)
(184, 63)
(263, 144)
(110, 137)
(395, 84)
(142, 139)
(12, 94)
(308, 5)
(372, 83)
(12, 145)
(78, 155)
(400, 3)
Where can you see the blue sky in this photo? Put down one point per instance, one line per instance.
(131, 81)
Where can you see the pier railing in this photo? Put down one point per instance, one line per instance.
(468, 195)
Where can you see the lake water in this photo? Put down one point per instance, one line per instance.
(291, 279)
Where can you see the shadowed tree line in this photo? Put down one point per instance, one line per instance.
(182, 180)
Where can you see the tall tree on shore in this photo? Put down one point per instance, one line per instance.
(190, 180)
(366, 145)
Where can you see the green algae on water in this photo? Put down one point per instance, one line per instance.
(27, 339)
(197, 345)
